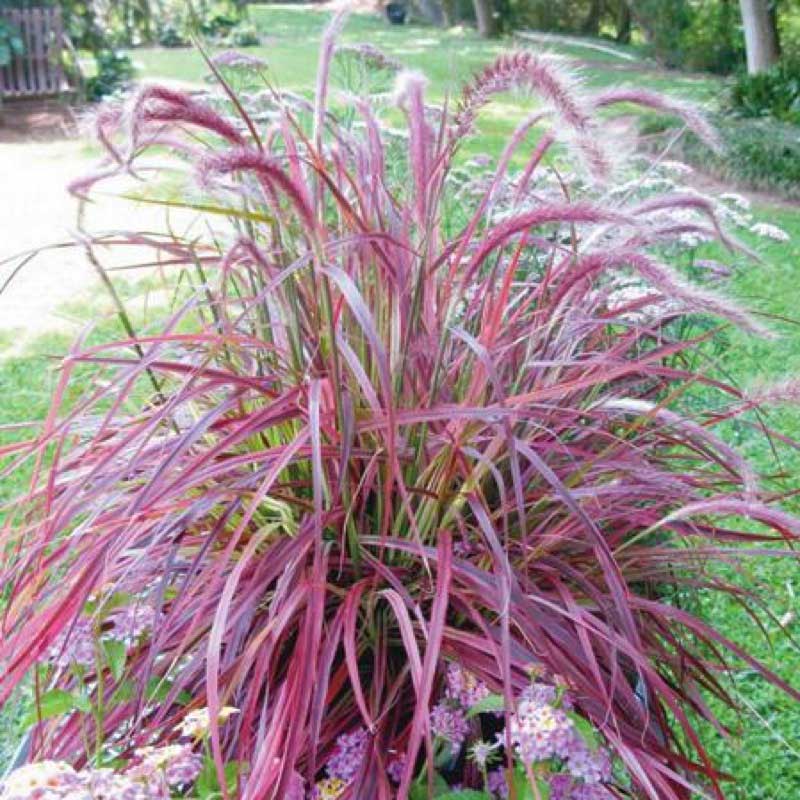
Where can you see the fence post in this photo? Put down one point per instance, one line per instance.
(38, 71)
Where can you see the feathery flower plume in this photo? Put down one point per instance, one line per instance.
(266, 169)
(327, 47)
(781, 393)
(692, 116)
(158, 104)
(547, 76)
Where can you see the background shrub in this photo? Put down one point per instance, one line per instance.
(774, 93)
(171, 35)
(114, 70)
(714, 41)
(244, 35)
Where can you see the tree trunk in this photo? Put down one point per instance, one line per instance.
(760, 35)
(484, 14)
(433, 11)
(773, 21)
(624, 22)
(591, 25)
(450, 13)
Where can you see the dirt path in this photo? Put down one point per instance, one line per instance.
(40, 153)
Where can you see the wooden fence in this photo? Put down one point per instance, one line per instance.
(37, 72)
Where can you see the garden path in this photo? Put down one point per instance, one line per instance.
(40, 153)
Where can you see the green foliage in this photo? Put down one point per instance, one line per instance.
(492, 702)
(764, 155)
(82, 25)
(171, 35)
(56, 703)
(714, 41)
(525, 791)
(665, 23)
(11, 43)
(207, 786)
(244, 35)
(545, 15)
(114, 70)
(218, 22)
(774, 93)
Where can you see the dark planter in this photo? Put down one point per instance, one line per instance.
(396, 13)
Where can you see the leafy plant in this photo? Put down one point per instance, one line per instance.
(217, 23)
(114, 71)
(714, 41)
(774, 92)
(11, 43)
(244, 35)
(396, 421)
(171, 36)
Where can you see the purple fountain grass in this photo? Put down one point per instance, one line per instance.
(376, 441)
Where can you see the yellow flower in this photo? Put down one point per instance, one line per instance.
(330, 789)
(160, 757)
(196, 723)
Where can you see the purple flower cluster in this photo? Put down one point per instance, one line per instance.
(591, 791)
(160, 768)
(131, 622)
(347, 758)
(156, 770)
(449, 716)
(590, 766)
(562, 787)
(540, 730)
(463, 688)
(496, 783)
(105, 784)
(395, 768)
(449, 722)
(77, 645)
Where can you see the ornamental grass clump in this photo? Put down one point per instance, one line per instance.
(404, 478)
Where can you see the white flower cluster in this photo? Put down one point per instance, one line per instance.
(768, 231)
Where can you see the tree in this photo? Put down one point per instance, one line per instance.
(484, 15)
(591, 24)
(433, 11)
(623, 22)
(663, 23)
(760, 35)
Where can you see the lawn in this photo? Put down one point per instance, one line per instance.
(761, 752)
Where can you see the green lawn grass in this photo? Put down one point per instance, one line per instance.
(762, 754)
